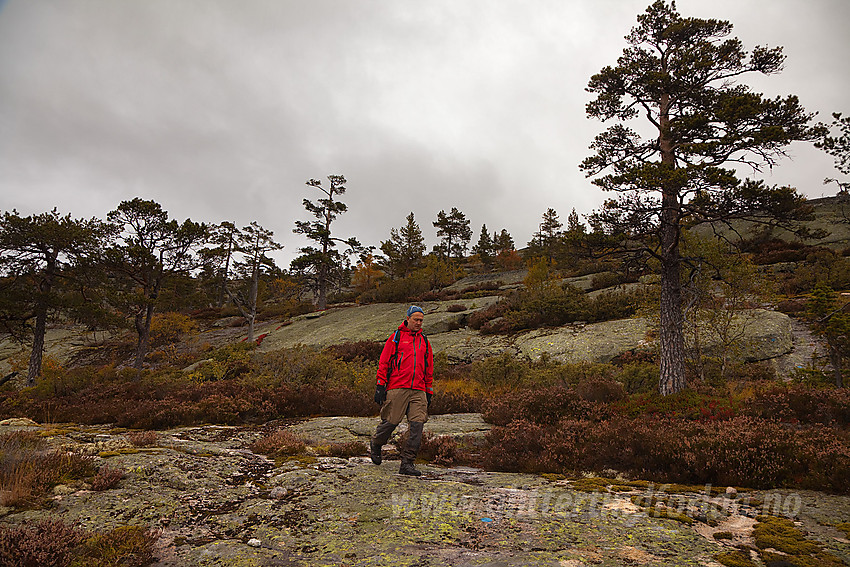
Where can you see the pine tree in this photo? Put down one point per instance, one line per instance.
(323, 266)
(680, 75)
(484, 247)
(404, 250)
(36, 255)
(455, 231)
(253, 242)
(150, 249)
(545, 241)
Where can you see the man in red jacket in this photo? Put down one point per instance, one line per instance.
(405, 378)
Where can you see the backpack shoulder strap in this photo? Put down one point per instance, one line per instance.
(427, 348)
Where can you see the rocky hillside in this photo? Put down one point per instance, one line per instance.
(764, 334)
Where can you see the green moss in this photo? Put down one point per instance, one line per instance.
(304, 460)
(735, 559)
(844, 527)
(602, 484)
(670, 515)
(54, 432)
(124, 451)
(782, 535)
(723, 535)
(116, 547)
(553, 476)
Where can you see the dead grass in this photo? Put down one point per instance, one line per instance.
(29, 470)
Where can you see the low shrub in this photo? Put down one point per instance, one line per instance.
(741, 451)
(363, 350)
(143, 438)
(598, 389)
(605, 279)
(169, 327)
(687, 404)
(799, 404)
(456, 308)
(127, 546)
(52, 543)
(541, 406)
(447, 401)
(280, 443)
(443, 450)
(556, 305)
(49, 543)
(639, 377)
(106, 478)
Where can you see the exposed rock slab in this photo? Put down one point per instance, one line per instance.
(346, 429)
(364, 323)
(217, 503)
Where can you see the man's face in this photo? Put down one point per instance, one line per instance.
(414, 322)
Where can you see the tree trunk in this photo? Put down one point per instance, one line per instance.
(672, 376)
(46, 285)
(34, 370)
(252, 301)
(322, 302)
(143, 328)
(221, 290)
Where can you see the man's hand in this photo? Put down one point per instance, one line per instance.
(428, 396)
(380, 394)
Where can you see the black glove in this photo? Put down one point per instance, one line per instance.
(427, 395)
(380, 394)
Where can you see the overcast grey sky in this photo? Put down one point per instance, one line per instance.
(222, 110)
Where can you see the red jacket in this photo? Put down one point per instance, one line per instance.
(414, 367)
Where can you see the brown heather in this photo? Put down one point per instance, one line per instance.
(742, 451)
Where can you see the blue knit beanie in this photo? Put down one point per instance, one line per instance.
(414, 309)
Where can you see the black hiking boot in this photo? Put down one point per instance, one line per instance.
(408, 469)
(374, 452)
(379, 439)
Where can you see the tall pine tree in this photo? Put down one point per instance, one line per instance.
(680, 75)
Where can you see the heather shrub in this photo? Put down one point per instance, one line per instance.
(363, 350)
(596, 389)
(280, 443)
(798, 404)
(443, 450)
(449, 401)
(687, 404)
(456, 308)
(741, 451)
(143, 438)
(106, 478)
(543, 406)
(516, 447)
(49, 543)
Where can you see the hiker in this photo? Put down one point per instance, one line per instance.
(405, 376)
